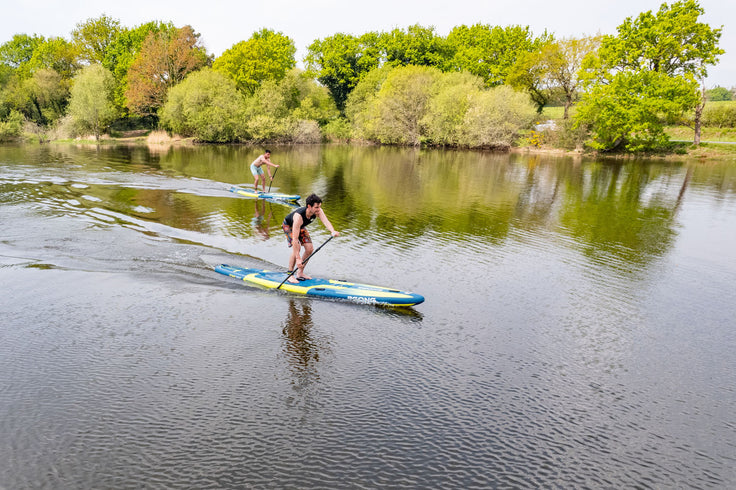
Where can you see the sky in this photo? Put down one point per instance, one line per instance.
(222, 24)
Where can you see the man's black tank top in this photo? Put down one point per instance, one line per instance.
(289, 220)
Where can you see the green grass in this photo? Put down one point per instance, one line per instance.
(720, 103)
(706, 134)
(553, 112)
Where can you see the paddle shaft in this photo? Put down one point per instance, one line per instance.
(304, 262)
(272, 177)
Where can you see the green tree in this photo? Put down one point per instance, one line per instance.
(396, 113)
(54, 53)
(490, 52)
(718, 94)
(495, 117)
(19, 49)
(206, 105)
(122, 51)
(416, 45)
(671, 42)
(339, 61)
(91, 105)
(669, 48)
(628, 111)
(267, 55)
(443, 122)
(93, 37)
(165, 60)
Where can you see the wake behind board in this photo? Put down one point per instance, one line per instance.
(264, 195)
(326, 288)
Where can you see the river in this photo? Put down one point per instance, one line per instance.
(579, 327)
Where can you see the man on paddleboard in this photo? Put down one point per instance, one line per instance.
(256, 168)
(294, 227)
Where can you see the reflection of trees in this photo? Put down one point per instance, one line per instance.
(614, 208)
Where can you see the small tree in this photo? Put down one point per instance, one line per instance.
(206, 105)
(93, 36)
(165, 59)
(267, 55)
(91, 106)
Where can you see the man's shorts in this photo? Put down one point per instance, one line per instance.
(256, 171)
(303, 234)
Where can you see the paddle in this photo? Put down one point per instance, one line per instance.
(304, 262)
(272, 177)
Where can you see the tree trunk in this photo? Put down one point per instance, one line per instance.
(698, 116)
(568, 104)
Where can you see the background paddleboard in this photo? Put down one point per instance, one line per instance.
(326, 288)
(264, 195)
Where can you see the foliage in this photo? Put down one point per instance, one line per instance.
(122, 51)
(12, 127)
(444, 119)
(207, 106)
(720, 115)
(339, 61)
(490, 51)
(646, 75)
(165, 60)
(53, 53)
(91, 106)
(417, 45)
(42, 98)
(629, 111)
(263, 128)
(338, 130)
(495, 117)
(362, 96)
(395, 115)
(93, 36)
(718, 94)
(296, 96)
(672, 42)
(19, 49)
(420, 105)
(267, 55)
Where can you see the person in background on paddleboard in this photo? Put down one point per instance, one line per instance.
(294, 226)
(256, 168)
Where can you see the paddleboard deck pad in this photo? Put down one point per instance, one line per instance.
(264, 195)
(325, 288)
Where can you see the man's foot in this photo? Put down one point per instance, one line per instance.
(303, 278)
(293, 280)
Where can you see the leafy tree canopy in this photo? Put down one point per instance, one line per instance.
(672, 41)
(91, 106)
(719, 94)
(267, 55)
(490, 51)
(93, 37)
(417, 45)
(165, 59)
(19, 49)
(339, 62)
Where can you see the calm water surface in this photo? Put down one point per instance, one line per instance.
(579, 329)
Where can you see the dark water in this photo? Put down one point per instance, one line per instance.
(579, 329)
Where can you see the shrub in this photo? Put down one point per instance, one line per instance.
(337, 130)
(720, 115)
(495, 117)
(12, 127)
(207, 106)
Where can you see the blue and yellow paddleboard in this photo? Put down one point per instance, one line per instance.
(326, 288)
(264, 195)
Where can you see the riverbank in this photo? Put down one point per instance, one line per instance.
(681, 149)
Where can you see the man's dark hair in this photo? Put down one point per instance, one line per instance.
(313, 199)
(267, 151)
